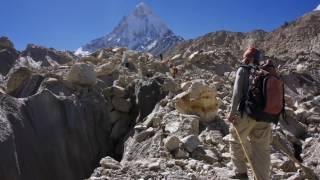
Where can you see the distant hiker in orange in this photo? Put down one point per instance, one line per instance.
(251, 116)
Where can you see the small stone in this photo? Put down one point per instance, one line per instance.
(296, 176)
(180, 163)
(154, 166)
(180, 154)
(204, 155)
(172, 143)
(110, 163)
(145, 134)
(192, 176)
(149, 120)
(191, 142)
(288, 166)
(140, 127)
(170, 164)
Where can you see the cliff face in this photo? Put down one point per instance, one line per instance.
(49, 136)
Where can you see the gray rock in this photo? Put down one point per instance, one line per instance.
(119, 91)
(145, 134)
(110, 163)
(204, 155)
(180, 163)
(120, 104)
(140, 127)
(149, 148)
(190, 143)
(288, 166)
(82, 74)
(181, 124)
(296, 176)
(172, 143)
(298, 129)
(154, 166)
(120, 128)
(148, 94)
(180, 153)
(56, 86)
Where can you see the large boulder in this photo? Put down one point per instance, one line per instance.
(181, 125)
(106, 69)
(82, 74)
(199, 99)
(50, 137)
(16, 79)
(148, 94)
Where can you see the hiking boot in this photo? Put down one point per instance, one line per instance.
(241, 176)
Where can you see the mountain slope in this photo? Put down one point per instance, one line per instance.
(142, 30)
(294, 45)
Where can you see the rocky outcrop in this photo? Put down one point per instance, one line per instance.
(49, 137)
(198, 99)
(16, 80)
(148, 94)
(48, 56)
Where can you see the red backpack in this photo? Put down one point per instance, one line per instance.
(265, 97)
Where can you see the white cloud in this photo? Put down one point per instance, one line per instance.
(318, 8)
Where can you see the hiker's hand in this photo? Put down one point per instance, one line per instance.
(232, 118)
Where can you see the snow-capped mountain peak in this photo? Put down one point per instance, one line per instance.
(142, 9)
(141, 30)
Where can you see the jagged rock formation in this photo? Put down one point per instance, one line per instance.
(47, 56)
(142, 31)
(52, 136)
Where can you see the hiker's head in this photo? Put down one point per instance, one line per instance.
(251, 55)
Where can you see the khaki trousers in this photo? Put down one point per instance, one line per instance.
(256, 137)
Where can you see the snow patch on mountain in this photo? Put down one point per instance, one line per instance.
(81, 52)
(142, 30)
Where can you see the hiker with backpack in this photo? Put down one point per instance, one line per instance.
(257, 101)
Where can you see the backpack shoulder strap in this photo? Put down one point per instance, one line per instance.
(246, 66)
(249, 67)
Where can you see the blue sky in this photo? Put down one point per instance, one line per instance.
(68, 24)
